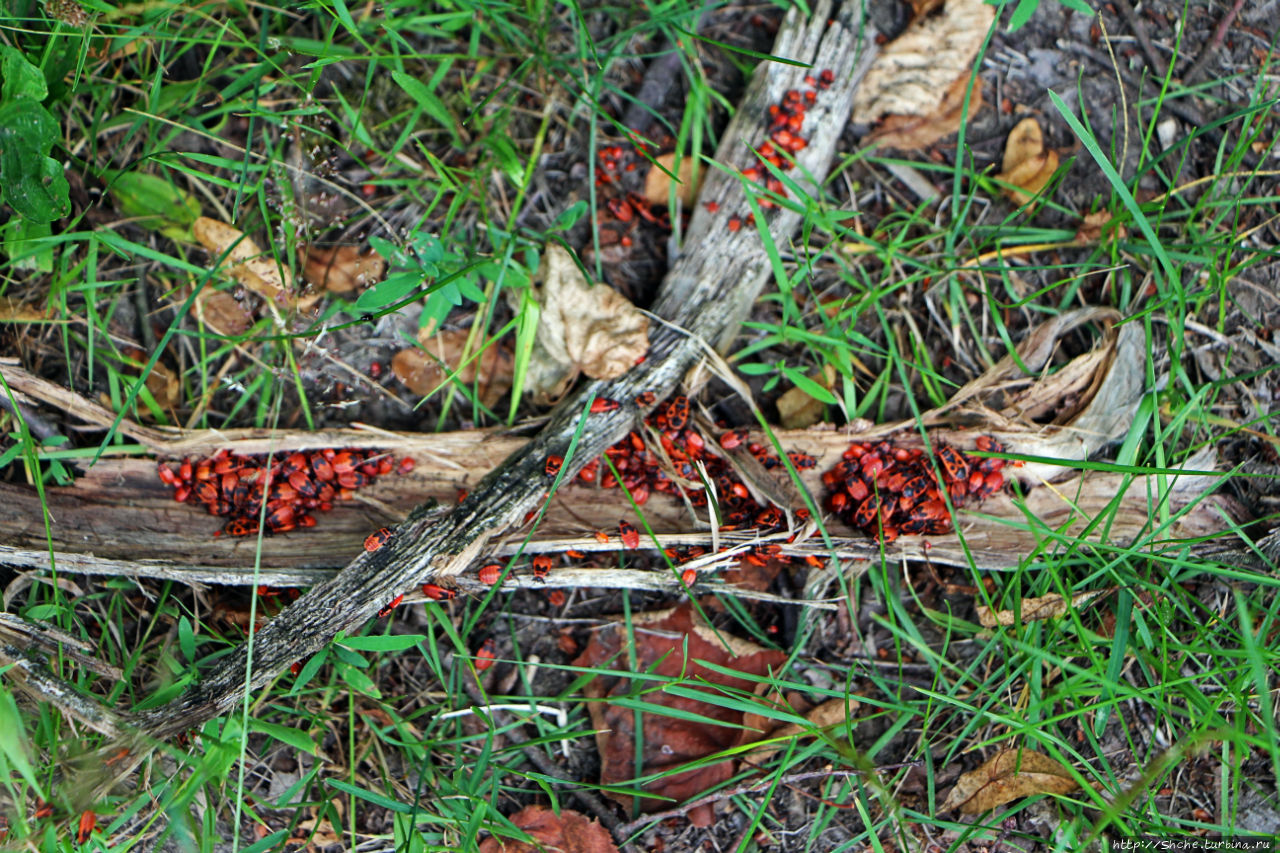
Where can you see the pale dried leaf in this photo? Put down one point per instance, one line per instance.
(657, 184)
(342, 269)
(1027, 164)
(567, 832)
(797, 410)
(591, 329)
(1007, 776)
(425, 369)
(1049, 606)
(914, 73)
(247, 264)
(914, 132)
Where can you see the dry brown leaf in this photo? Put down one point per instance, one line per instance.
(797, 410)
(657, 184)
(342, 269)
(1094, 225)
(248, 265)
(223, 313)
(164, 386)
(1049, 606)
(425, 369)
(1007, 776)
(912, 133)
(12, 311)
(918, 81)
(1027, 164)
(594, 330)
(833, 712)
(661, 645)
(568, 832)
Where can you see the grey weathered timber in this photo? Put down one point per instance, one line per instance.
(709, 288)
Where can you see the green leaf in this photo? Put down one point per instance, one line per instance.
(13, 740)
(430, 103)
(1022, 13)
(187, 639)
(27, 244)
(1078, 6)
(309, 669)
(31, 181)
(156, 203)
(808, 386)
(295, 738)
(360, 682)
(376, 799)
(570, 216)
(394, 643)
(388, 291)
(269, 843)
(21, 78)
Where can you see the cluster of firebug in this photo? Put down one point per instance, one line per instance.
(888, 490)
(294, 485)
(786, 120)
(643, 473)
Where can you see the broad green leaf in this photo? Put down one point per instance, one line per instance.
(388, 291)
(360, 682)
(808, 386)
(296, 738)
(156, 204)
(428, 100)
(27, 244)
(393, 643)
(187, 639)
(13, 739)
(1022, 13)
(31, 181)
(21, 78)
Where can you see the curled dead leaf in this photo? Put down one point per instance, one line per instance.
(917, 83)
(1049, 606)
(915, 132)
(1007, 776)
(1094, 225)
(342, 269)
(425, 369)
(1027, 164)
(567, 832)
(594, 330)
(657, 184)
(247, 264)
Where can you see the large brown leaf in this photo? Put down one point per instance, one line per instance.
(670, 742)
(567, 832)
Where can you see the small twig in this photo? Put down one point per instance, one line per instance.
(1219, 36)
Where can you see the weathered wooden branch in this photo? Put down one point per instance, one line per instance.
(719, 273)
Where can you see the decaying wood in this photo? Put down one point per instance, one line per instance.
(709, 286)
